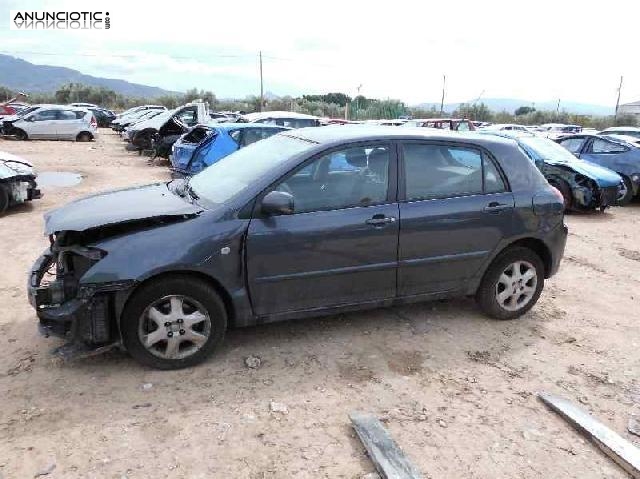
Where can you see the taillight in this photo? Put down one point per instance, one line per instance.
(94, 123)
(558, 194)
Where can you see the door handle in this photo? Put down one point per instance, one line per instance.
(380, 220)
(495, 207)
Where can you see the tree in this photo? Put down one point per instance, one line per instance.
(524, 110)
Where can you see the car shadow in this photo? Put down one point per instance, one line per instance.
(26, 207)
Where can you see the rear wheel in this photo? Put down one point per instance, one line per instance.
(626, 193)
(512, 284)
(84, 136)
(174, 322)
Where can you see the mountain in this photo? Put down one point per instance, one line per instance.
(19, 74)
(511, 104)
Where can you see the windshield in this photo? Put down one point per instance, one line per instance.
(544, 149)
(234, 173)
(26, 111)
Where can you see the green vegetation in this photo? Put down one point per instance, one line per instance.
(328, 105)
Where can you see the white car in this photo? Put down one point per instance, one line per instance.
(54, 123)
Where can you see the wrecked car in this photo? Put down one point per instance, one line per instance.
(17, 181)
(584, 185)
(159, 133)
(203, 145)
(273, 232)
(618, 153)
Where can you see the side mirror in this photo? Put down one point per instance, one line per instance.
(29, 118)
(277, 203)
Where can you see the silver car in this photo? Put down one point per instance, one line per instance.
(54, 123)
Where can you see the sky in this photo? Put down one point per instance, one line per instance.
(535, 50)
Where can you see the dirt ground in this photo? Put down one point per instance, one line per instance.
(456, 390)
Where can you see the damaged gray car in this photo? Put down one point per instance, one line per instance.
(307, 222)
(17, 181)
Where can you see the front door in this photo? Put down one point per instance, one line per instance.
(339, 247)
(43, 124)
(455, 212)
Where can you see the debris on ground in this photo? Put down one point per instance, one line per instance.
(278, 407)
(147, 386)
(253, 362)
(46, 471)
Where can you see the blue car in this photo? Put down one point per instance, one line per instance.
(203, 145)
(618, 153)
(584, 185)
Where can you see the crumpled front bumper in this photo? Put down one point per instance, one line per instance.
(86, 317)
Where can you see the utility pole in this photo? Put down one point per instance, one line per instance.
(261, 85)
(618, 100)
(558, 109)
(444, 81)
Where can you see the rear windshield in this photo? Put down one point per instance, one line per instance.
(544, 149)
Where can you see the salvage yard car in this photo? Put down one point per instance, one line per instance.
(53, 122)
(203, 145)
(17, 181)
(614, 152)
(274, 232)
(584, 185)
(289, 119)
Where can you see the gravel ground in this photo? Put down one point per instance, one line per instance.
(456, 390)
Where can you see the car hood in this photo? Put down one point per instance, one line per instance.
(12, 165)
(119, 206)
(10, 118)
(604, 177)
(155, 122)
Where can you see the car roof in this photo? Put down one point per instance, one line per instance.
(241, 126)
(278, 114)
(336, 134)
(438, 119)
(622, 128)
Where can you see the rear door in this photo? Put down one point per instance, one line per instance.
(340, 245)
(455, 209)
(67, 123)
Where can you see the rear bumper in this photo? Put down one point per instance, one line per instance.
(556, 240)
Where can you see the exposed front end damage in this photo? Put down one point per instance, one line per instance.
(17, 181)
(83, 314)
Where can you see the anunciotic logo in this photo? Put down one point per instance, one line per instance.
(58, 20)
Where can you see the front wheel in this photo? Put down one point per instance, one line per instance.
(173, 323)
(21, 135)
(626, 192)
(512, 284)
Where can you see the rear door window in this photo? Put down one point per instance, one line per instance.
(68, 115)
(443, 171)
(600, 145)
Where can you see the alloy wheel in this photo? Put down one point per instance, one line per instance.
(174, 327)
(516, 285)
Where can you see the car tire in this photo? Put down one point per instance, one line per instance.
(522, 290)
(626, 199)
(564, 188)
(21, 135)
(175, 303)
(84, 136)
(4, 199)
